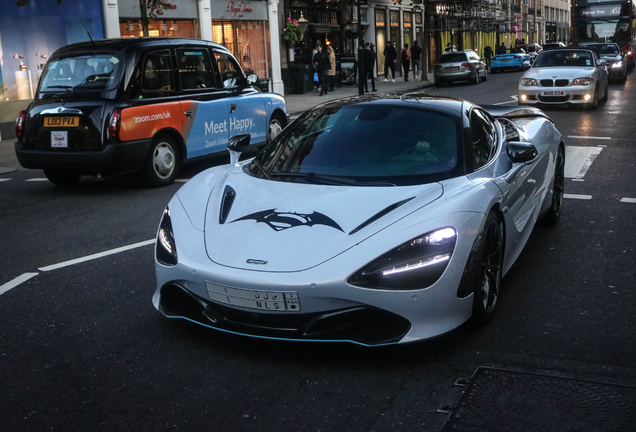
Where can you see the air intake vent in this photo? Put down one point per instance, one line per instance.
(546, 83)
(226, 203)
(378, 215)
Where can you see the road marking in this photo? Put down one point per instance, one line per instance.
(579, 159)
(4, 179)
(17, 281)
(38, 179)
(515, 99)
(589, 137)
(97, 255)
(578, 180)
(628, 200)
(570, 196)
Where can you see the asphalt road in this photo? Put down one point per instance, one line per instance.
(82, 348)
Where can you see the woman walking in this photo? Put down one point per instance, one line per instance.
(331, 74)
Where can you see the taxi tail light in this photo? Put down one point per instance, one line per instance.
(468, 65)
(114, 124)
(19, 124)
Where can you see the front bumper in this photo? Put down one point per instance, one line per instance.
(531, 95)
(330, 308)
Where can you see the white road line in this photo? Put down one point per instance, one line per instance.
(97, 255)
(589, 137)
(4, 179)
(38, 179)
(514, 100)
(578, 180)
(570, 196)
(579, 159)
(17, 281)
(628, 200)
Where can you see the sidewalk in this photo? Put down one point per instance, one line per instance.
(296, 104)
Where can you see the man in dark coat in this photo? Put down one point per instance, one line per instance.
(501, 49)
(368, 62)
(322, 63)
(416, 53)
(390, 58)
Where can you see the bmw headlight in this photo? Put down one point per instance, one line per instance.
(582, 81)
(166, 248)
(528, 82)
(416, 264)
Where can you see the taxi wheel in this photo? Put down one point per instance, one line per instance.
(163, 162)
(276, 126)
(62, 178)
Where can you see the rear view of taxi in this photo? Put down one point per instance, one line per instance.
(565, 76)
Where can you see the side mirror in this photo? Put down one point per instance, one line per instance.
(252, 79)
(236, 145)
(521, 152)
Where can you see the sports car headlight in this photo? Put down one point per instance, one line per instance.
(616, 65)
(528, 82)
(416, 264)
(166, 248)
(582, 81)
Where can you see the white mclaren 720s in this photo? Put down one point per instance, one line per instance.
(374, 220)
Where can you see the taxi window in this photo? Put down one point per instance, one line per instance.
(195, 70)
(157, 74)
(231, 73)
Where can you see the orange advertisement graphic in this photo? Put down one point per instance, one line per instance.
(145, 121)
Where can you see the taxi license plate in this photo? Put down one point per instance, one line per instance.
(280, 301)
(452, 69)
(65, 121)
(553, 93)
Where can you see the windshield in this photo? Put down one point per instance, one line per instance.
(605, 49)
(364, 144)
(569, 58)
(82, 73)
(605, 31)
(452, 58)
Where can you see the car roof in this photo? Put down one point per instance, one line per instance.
(120, 44)
(419, 99)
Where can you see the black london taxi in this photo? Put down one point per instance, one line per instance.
(141, 105)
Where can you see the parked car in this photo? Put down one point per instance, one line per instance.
(456, 66)
(616, 59)
(341, 230)
(513, 60)
(553, 45)
(532, 49)
(565, 76)
(140, 105)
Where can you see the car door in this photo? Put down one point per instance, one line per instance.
(203, 107)
(245, 105)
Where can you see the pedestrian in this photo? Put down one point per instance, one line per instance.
(321, 61)
(501, 49)
(390, 58)
(448, 47)
(405, 58)
(416, 53)
(368, 62)
(487, 54)
(316, 78)
(331, 74)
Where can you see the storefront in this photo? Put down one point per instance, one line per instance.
(180, 21)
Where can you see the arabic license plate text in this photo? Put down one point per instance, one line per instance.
(280, 301)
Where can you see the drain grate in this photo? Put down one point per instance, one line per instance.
(498, 400)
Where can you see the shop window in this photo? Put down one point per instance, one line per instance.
(230, 71)
(156, 28)
(195, 70)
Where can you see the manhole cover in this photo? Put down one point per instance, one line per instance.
(508, 401)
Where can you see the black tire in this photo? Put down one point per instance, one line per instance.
(485, 78)
(489, 269)
(476, 79)
(276, 125)
(594, 104)
(438, 83)
(62, 178)
(558, 189)
(162, 163)
(606, 94)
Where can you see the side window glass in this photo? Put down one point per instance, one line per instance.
(156, 75)
(483, 138)
(231, 73)
(195, 69)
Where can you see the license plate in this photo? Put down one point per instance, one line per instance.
(252, 299)
(59, 139)
(504, 60)
(553, 93)
(67, 121)
(451, 69)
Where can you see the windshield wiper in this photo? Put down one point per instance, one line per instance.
(261, 169)
(60, 86)
(331, 180)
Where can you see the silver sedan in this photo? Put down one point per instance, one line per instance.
(565, 76)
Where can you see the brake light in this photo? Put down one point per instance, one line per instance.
(517, 57)
(438, 67)
(468, 65)
(113, 124)
(19, 124)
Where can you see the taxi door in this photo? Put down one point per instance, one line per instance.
(205, 112)
(246, 106)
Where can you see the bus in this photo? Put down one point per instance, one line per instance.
(605, 21)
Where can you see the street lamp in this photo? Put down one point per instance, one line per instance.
(303, 23)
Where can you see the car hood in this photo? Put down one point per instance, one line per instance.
(278, 226)
(559, 72)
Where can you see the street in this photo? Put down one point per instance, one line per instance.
(82, 347)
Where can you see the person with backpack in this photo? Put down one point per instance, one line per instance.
(488, 54)
(405, 58)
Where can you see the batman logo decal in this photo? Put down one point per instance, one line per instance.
(279, 221)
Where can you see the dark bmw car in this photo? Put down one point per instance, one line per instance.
(616, 59)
